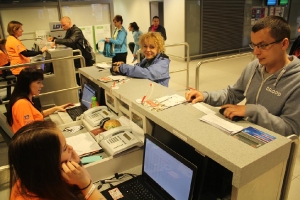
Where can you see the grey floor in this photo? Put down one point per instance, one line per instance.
(213, 76)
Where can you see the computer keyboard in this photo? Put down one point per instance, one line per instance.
(137, 190)
(74, 112)
(65, 117)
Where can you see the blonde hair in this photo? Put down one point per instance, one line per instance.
(156, 37)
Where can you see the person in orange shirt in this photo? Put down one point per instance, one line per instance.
(44, 166)
(21, 110)
(4, 60)
(17, 52)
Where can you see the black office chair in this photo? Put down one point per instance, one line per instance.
(10, 80)
(5, 129)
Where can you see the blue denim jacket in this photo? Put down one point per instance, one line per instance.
(136, 36)
(120, 43)
(158, 71)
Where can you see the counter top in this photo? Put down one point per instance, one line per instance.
(246, 162)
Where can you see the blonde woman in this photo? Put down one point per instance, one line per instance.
(155, 65)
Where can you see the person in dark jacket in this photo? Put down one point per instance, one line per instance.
(295, 49)
(155, 27)
(74, 39)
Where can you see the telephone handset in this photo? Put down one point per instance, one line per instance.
(94, 115)
(118, 139)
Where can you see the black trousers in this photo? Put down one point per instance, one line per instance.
(131, 46)
(119, 57)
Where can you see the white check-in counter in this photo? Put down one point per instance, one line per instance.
(257, 172)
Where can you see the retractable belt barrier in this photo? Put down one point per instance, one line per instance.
(216, 59)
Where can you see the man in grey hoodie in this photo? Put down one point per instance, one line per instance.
(270, 83)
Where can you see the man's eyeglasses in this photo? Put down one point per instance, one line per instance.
(263, 46)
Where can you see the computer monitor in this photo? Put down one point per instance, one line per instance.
(212, 181)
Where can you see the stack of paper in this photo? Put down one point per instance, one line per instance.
(164, 102)
(221, 123)
(83, 144)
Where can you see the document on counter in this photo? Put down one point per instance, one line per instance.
(164, 102)
(204, 109)
(83, 144)
(113, 78)
(222, 124)
(103, 65)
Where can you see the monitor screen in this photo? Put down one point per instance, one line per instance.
(87, 94)
(271, 2)
(283, 2)
(165, 166)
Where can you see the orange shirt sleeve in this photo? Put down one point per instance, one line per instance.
(14, 47)
(24, 112)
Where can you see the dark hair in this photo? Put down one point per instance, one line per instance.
(34, 159)
(22, 88)
(155, 17)
(2, 41)
(13, 26)
(118, 18)
(279, 27)
(134, 26)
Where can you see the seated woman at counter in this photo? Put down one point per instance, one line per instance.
(16, 50)
(155, 65)
(21, 109)
(44, 166)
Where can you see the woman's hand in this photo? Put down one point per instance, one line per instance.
(107, 40)
(118, 63)
(50, 39)
(74, 174)
(44, 49)
(63, 107)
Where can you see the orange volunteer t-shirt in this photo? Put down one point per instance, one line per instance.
(3, 59)
(14, 47)
(15, 193)
(24, 112)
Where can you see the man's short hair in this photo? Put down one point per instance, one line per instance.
(118, 18)
(279, 27)
(155, 17)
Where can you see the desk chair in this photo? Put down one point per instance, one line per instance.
(288, 175)
(4, 182)
(10, 80)
(5, 129)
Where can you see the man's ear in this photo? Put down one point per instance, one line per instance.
(285, 43)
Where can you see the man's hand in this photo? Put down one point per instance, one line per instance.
(234, 110)
(194, 96)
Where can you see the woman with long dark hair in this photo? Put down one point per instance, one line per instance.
(21, 110)
(44, 166)
(136, 33)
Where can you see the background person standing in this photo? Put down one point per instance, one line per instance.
(136, 33)
(119, 40)
(155, 27)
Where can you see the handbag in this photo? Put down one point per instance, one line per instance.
(107, 49)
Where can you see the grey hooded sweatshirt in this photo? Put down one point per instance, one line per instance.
(272, 103)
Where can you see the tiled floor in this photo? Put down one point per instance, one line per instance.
(213, 76)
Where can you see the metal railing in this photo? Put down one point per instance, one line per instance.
(213, 60)
(290, 165)
(187, 60)
(82, 63)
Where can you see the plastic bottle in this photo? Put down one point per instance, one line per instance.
(94, 102)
